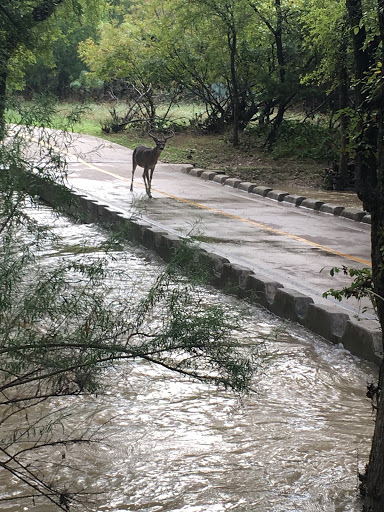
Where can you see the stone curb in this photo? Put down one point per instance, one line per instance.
(279, 195)
(331, 208)
(312, 204)
(353, 213)
(294, 199)
(360, 338)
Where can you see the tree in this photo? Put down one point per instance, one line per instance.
(123, 57)
(26, 28)
(326, 31)
(368, 52)
(287, 59)
(218, 67)
(54, 75)
(62, 327)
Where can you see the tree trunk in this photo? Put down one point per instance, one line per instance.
(279, 41)
(365, 160)
(373, 485)
(342, 180)
(283, 102)
(272, 136)
(4, 59)
(369, 168)
(232, 42)
(373, 481)
(3, 82)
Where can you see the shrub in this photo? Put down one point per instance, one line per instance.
(305, 140)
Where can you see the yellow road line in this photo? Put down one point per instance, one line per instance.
(268, 228)
(231, 216)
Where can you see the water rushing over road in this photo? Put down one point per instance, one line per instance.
(296, 446)
(174, 445)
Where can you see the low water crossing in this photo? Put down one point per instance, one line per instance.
(172, 445)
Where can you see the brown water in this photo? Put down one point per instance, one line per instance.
(296, 445)
(347, 199)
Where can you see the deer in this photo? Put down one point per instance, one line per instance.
(147, 158)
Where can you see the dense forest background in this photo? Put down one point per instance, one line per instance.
(251, 65)
(271, 67)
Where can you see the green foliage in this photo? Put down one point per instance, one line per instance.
(62, 324)
(360, 288)
(303, 139)
(325, 31)
(54, 76)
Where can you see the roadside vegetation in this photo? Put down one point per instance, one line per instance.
(245, 70)
(301, 157)
(64, 327)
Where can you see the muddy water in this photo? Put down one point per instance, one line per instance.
(295, 445)
(348, 199)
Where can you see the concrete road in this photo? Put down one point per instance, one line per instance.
(295, 246)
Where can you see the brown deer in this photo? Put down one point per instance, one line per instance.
(147, 158)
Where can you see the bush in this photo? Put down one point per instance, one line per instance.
(305, 140)
(301, 139)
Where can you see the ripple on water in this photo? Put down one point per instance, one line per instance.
(175, 445)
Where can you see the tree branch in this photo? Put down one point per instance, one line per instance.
(45, 9)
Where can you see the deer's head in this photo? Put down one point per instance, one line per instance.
(161, 141)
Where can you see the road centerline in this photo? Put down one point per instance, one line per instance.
(230, 215)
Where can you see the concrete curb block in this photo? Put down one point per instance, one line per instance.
(235, 278)
(262, 290)
(232, 182)
(353, 214)
(327, 321)
(313, 204)
(361, 338)
(247, 186)
(294, 199)
(167, 246)
(261, 191)
(291, 304)
(187, 169)
(206, 175)
(196, 172)
(331, 208)
(279, 195)
(221, 178)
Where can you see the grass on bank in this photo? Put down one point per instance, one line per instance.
(302, 153)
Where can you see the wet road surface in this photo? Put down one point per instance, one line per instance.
(295, 246)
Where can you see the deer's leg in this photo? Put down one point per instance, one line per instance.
(134, 165)
(150, 181)
(146, 182)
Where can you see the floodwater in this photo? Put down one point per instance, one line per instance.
(172, 445)
(343, 198)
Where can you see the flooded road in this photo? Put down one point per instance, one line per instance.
(294, 445)
(344, 198)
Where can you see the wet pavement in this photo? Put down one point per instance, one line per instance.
(295, 246)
